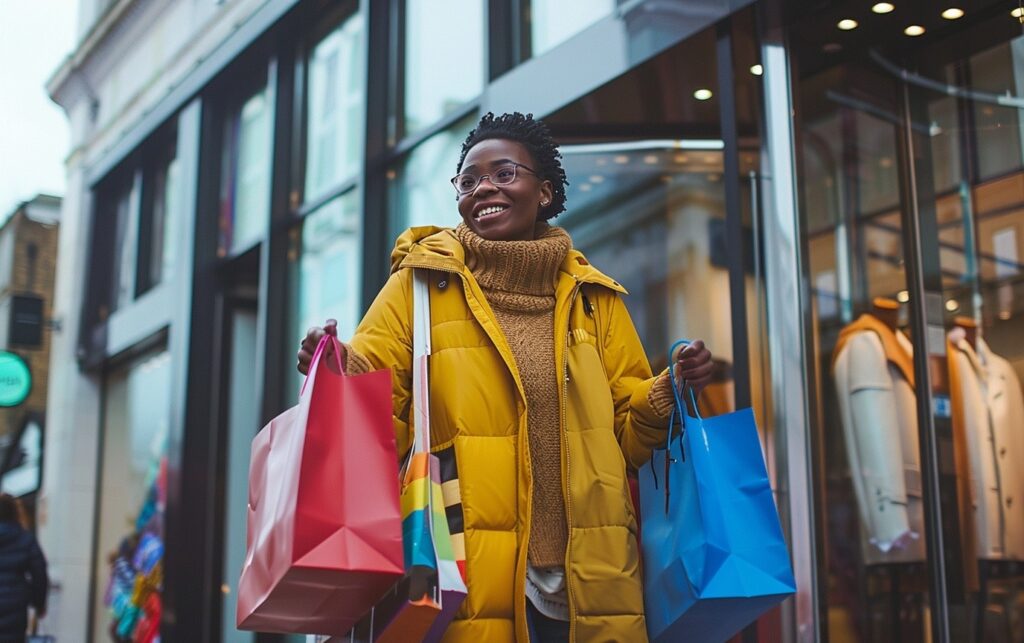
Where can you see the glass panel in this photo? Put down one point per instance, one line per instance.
(875, 584)
(421, 193)
(243, 422)
(133, 485)
(981, 243)
(997, 126)
(444, 58)
(163, 215)
(245, 175)
(326, 273)
(335, 108)
(655, 220)
(125, 242)
(552, 22)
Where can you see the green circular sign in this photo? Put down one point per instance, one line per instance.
(15, 379)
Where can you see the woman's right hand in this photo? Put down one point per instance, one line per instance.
(308, 346)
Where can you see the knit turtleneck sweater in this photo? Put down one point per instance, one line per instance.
(518, 279)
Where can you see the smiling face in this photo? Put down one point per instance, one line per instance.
(503, 212)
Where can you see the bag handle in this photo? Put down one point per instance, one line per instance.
(314, 364)
(679, 408)
(420, 353)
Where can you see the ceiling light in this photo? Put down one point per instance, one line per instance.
(846, 24)
(883, 7)
(650, 159)
(680, 158)
(757, 70)
(585, 187)
(903, 296)
(914, 30)
(952, 305)
(702, 94)
(1017, 13)
(621, 159)
(597, 178)
(953, 13)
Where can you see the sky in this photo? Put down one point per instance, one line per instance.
(35, 37)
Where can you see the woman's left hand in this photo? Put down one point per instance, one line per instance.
(693, 365)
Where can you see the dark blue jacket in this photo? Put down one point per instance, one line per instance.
(23, 580)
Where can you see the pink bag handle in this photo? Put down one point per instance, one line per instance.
(318, 355)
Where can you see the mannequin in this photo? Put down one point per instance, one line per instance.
(886, 311)
(988, 407)
(874, 378)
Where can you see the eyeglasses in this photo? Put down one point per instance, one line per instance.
(503, 175)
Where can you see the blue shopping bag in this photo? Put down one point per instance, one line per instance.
(713, 552)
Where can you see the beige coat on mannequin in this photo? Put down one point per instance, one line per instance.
(993, 413)
(879, 417)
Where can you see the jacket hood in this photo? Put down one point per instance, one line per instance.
(438, 248)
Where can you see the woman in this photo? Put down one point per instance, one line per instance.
(23, 580)
(540, 392)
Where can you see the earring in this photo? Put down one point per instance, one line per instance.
(543, 204)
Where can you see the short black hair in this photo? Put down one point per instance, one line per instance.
(534, 135)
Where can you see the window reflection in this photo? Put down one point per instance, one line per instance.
(132, 490)
(552, 22)
(335, 108)
(444, 58)
(326, 272)
(421, 193)
(162, 214)
(654, 220)
(245, 175)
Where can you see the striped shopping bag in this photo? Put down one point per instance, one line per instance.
(420, 607)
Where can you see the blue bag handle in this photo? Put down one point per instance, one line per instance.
(677, 407)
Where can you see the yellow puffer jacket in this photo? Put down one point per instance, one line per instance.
(477, 406)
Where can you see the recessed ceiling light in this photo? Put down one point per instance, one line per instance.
(680, 158)
(621, 159)
(903, 296)
(650, 159)
(702, 94)
(952, 305)
(846, 24)
(585, 187)
(757, 70)
(883, 7)
(914, 30)
(953, 13)
(597, 178)
(1017, 13)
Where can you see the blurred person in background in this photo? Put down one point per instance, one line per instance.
(23, 579)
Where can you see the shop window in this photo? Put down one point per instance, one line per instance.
(552, 22)
(160, 223)
(444, 59)
(421, 193)
(997, 71)
(654, 219)
(245, 174)
(334, 108)
(132, 493)
(325, 262)
(114, 241)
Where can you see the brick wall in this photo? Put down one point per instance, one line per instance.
(31, 277)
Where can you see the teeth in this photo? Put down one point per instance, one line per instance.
(491, 210)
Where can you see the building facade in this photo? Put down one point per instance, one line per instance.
(28, 257)
(759, 174)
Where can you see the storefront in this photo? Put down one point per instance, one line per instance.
(758, 174)
(908, 134)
